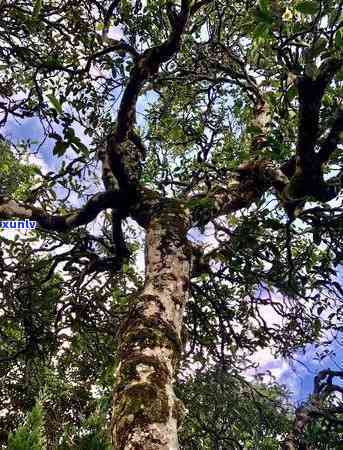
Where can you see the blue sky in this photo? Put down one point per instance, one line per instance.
(300, 374)
(31, 128)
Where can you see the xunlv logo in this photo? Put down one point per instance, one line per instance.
(18, 224)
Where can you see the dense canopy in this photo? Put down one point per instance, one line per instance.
(183, 161)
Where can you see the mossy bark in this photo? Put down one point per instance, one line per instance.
(145, 408)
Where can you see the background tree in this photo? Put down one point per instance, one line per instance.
(31, 434)
(240, 138)
(318, 421)
(227, 412)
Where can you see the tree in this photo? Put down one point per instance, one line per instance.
(30, 436)
(241, 131)
(227, 412)
(318, 421)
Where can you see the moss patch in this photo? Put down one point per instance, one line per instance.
(128, 371)
(179, 411)
(149, 336)
(138, 406)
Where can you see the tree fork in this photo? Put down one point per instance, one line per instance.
(146, 411)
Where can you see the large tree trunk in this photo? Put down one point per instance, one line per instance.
(146, 410)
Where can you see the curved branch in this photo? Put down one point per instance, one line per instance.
(315, 407)
(333, 138)
(311, 92)
(245, 187)
(107, 19)
(125, 164)
(98, 203)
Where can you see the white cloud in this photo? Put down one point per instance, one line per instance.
(38, 161)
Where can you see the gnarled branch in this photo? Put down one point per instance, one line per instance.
(99, 202)
(124, 163)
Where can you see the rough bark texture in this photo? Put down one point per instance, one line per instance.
(261, 122)
(146, 411)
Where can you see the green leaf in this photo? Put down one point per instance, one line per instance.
(261, 30)
(264, 5)
(339, 38)
(30, 435)
(253, 129)
(339, 75)
(200, 202)
(292, 93)
(36, 170)
(307, 7)
(79, 146)
(60, 148)
(317, 326)
(311, 70)
(273, 224)
(69, 133)
(37, 7)
(320, 309)
(319, 46)
(55, 103)
(328, 100)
